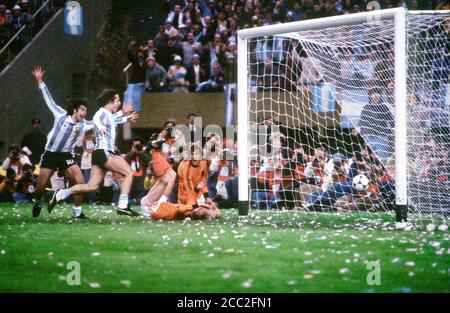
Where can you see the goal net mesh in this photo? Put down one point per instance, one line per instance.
(321, 110)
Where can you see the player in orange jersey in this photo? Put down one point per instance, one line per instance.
(193, 177)
(154, 205)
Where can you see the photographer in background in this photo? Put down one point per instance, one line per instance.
(15, 160)
(8, 186)
(25, 186)
(138, 160)
(174, 142)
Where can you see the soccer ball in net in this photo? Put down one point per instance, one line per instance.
(361, 182)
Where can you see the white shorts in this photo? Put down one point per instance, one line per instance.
(147, 210)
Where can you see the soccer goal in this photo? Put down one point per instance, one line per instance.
(346, 113)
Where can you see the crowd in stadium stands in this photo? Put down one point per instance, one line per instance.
(15, 14)
(195, 49)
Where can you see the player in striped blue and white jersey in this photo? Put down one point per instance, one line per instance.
(68, 128)
(103, 158)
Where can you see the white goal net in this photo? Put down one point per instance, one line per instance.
(322, 116)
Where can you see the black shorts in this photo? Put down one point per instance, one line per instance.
(100, 157)
(57, 161)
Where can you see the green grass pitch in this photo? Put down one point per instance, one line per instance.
(264, 252)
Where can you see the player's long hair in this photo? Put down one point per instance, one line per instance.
(106, 96)
(74, 104)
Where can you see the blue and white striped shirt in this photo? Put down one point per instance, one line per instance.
(65, 133)
(105, 120)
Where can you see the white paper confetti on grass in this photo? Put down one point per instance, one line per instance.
(210, 255)
(3, 252)
(344, 270)
(431, 227)
(125, 282)
(226, 275)
(443, 227)
(395, 261)
(410, 263)
(248, 283)
(291, 282)
(94, 285)
(231, 250)
(308, 276)
(95, 254)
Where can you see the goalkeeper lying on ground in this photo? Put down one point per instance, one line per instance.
(154, 205)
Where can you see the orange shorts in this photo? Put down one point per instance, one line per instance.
(163, 210)
(160, 164)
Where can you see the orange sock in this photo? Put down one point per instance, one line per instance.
(160, 164)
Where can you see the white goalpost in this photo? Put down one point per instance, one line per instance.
(346, 113)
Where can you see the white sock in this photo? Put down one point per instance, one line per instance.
(63, 194)
(123, 201)
(76, 211)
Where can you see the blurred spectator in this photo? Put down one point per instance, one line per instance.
(219, 49)
(214, 83)
(35, 141)
(379, 138)
(222, 22)
(196, 73)
(167, 53)
(187, 28)
(270, 75)
(296, 14)
(310, 73)
(155, 77)
(176, 76)
(20, 19)
(196, 132)
(169, 30)
(190, 47)
(150, 49)
(198, 35)
(175, 17)
(160, 38)
(231, 50)
(279, 11)
(137, 59)
(136, 83)
(209, 29)
(245, 17)
(269, 178)
(4, 19)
